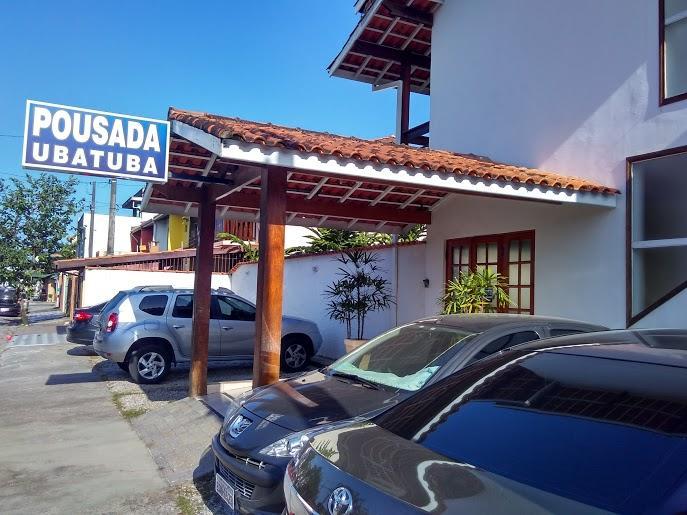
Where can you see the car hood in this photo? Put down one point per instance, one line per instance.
(316, 398)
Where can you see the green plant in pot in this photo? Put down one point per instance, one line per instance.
(481, 291)
(359, 290)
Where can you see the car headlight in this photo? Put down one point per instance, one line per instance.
(291, 445)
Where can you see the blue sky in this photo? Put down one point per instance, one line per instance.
(261, 60)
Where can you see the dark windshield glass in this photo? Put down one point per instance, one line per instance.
(405, 357)
(607, 433)
(8, 294)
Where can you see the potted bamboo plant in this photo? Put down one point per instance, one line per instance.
(481, 291)
(359, 290)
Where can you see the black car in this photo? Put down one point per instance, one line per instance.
(263, 431)
(84, 324)
(594, 423)
(9, 302)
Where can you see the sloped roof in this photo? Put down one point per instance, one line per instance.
(379, 151)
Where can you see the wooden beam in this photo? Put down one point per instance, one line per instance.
(400, 9)
(405, 101)
(72, 295)
(239, 181)
(270, 277)
(391, 54)
(198, 383)
(359, 209)
(418, 130)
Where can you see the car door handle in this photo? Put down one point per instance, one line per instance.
(178, 326)
(227, 328)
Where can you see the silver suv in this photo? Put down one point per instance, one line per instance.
(145, 330)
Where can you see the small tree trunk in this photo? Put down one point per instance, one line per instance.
(24, 312)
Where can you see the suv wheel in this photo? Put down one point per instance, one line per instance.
(294, 352)
(149, 364)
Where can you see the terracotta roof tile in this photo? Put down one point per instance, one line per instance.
(379, 151)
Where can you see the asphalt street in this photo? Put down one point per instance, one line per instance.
(64, 448)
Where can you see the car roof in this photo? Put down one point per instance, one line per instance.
(480, 322)
(654, 346)
(171, 289)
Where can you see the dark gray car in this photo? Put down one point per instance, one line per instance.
(84, 324)
(593, 423)
(9, 302)
(263, 430)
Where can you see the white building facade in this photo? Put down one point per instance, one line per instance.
(575, 88)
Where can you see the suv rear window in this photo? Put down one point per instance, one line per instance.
(154, 304)
(607, 433)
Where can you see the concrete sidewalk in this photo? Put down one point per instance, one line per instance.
(64, 448)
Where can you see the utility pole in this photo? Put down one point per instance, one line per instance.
(92, 224)
(111, 220)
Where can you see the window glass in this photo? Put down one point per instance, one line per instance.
(228, 308)
(113, 302)
(508, 340)
(405, 357)
(564, 332)
(154, 304)
(570, 422)
(675, 36)
(183, 307)
(659, 212)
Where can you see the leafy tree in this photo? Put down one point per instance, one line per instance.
(250, 252)
(35, 218)
(325, 240)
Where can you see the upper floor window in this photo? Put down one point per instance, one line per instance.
(657, 214)
(673, 46)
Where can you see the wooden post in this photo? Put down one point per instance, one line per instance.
(72, 295)
(405, 101)
(198, 377)
(270, 277)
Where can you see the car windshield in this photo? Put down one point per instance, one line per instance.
(405, 357)
(605, 433)
(8, 293)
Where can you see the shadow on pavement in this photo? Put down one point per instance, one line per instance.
(82, 350)
(78, 377)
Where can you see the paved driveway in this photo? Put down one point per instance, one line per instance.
(64, 448)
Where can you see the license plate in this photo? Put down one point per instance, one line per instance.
(225, 490)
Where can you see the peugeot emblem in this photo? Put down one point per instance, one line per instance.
(239, 425)
(340, 501)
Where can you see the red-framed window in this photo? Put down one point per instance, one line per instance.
(510, 254)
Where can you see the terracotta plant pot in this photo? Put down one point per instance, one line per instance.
(351, 344)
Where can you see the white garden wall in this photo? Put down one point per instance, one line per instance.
(102, 284)
(306, 278)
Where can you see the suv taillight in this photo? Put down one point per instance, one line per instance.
(82, 316)
(112, 322)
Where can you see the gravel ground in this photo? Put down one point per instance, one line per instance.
(133, 400)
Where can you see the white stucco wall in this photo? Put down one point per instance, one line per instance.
(572, 247)
(306, 278)
(570, 87)
(102, 284)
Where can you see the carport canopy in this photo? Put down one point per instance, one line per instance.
(242, 170)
